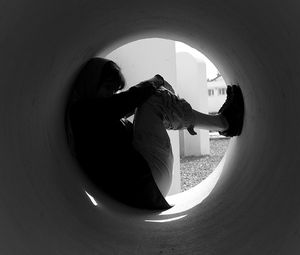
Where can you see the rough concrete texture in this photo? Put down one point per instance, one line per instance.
(254, 207)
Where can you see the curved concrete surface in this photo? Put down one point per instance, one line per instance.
(44, 203)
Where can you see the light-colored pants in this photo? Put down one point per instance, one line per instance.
(160, 112)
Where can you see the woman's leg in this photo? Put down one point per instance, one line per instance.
(210, 122)
(228, 122)
(151, 139)
(167, 111)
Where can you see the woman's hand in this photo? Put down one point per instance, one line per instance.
(156, 82)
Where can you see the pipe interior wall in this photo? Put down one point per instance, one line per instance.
(44, 207)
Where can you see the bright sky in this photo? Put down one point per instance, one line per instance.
(211, 70)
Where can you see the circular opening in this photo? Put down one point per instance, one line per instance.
(141, 60)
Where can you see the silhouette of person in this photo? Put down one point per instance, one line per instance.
(132, 162)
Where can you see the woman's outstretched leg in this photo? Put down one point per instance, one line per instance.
(228, 121)
(164, 111)
(210, 122)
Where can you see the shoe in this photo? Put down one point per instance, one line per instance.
(233, 111)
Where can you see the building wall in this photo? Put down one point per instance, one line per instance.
(216, 100)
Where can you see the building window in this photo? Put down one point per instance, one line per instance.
(211, 92)
(222, 91)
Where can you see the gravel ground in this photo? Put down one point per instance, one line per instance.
(195, 169)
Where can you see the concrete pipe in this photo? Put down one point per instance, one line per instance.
(48, 207)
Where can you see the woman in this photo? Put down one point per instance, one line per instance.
(133, 162)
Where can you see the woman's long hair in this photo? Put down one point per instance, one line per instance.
(87, 83)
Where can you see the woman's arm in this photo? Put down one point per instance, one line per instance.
(124, 103)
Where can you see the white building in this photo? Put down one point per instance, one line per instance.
(191, 85)
(216, 93)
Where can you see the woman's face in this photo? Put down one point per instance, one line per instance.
(107, 89)
(113, 81)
